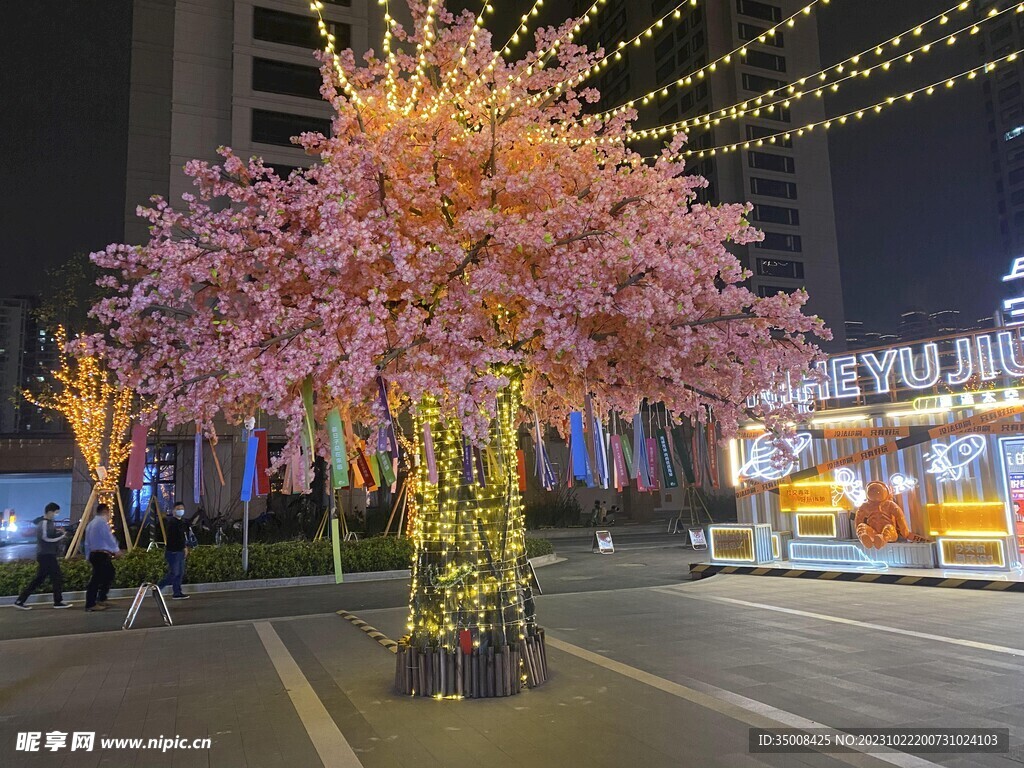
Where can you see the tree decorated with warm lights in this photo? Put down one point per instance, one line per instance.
(466, 237)
(96, 407)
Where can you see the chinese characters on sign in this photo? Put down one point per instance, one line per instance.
(32, 741)
(1012, 450)
(1013, 309)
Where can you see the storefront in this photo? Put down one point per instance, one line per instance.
(909, 456)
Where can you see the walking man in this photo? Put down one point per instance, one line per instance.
(100, 548)
(48, 539)
(179, 534)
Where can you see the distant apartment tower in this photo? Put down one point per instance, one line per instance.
(1004, 108)
(13, 317)
(237, 73)
(28, 354)
(789, 182)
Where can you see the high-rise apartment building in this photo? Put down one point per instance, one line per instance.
(28, 354)
(789, 182)
(13, 317)
(1004, 111)
(237, 73)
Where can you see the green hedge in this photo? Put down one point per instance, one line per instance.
(208, 564)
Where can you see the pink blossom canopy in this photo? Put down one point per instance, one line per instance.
(453, 222)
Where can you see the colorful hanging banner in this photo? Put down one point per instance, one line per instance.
(521, 470)
(428, 450)
(252, 445)
(668, 470)
(366, 473)
(136, 475)
(712, 438)
(481, 477)
(683, 451)
(621, 472)
(642, 475)
(262, 463)
(652, 463)
(339, 452)
(601, 444)
(467, 461)
(310, 420)
(382, 392)
(197, 468)
(387, 471)
(579, 446)
(627, 457)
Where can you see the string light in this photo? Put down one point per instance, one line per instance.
(329, 40)
(756, 106)
(98, 411)
(701, 73)
(389, 57)
(597, 66)
(470, 569)
(857, 114)
(464, 50)
(424, 45)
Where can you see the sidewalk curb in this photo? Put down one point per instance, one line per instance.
(45, 598)
(229, 586)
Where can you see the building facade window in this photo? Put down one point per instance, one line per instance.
(755, 132)
(293, 29)
(776, 241)
(780, 268)
(776, 214)
(747, 32)
(766, 291)
(159, 481)
(759, 84)
(758, 10)
(773, 188)
(277, 128)
(765, 161)
(765, 60)
(286, 78)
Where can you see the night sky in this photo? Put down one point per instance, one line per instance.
(914, 191)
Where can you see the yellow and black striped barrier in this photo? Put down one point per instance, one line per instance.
(373, 632)
(704, 570)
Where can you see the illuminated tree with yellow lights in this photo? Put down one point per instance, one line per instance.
(469, 238)
(96, 407)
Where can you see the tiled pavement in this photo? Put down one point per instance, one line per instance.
(217, 680)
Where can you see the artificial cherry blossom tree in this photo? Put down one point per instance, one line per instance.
(462, 230)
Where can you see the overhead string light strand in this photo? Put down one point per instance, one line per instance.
(794, 92)
(842, 119)
(317, 7)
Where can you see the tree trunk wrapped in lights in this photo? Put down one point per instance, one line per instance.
(462, 221)
(470, 579)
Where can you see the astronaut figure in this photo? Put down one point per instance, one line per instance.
(880, 520)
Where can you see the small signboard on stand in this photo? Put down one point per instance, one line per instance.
(603, 543)
(697, 539)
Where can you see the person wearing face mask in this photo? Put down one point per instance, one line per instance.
(179, 536)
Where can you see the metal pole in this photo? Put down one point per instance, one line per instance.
(245, 537)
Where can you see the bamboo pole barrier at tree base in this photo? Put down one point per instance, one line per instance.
(76, 540)
(482, 674)
(124, 521)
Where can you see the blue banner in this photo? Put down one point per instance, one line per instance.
(580, 465)
(251, 446)
(640, 451)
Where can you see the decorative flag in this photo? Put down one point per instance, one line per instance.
(197, 469)
(371, 459)
(428, 449)
(684, 454)
(387, 471)
(480, 467)
(521, 469)
(262, 463)
(389, 420)
(621, 472)
(252, 445)
(591, 431)
(627, 457)
(467, 461)
(366, 469)
(601, 446)
(652, 463)
(712, 441)
(643, 475)
(339, 453)
(579, 446)
(307, 403)
(668, 470)
(136, 477)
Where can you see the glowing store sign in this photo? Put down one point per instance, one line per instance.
(980, 357)
(1013, 309)
(761, 463)
(968, 399)
(948, 460)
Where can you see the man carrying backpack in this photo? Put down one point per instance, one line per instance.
(48, 539)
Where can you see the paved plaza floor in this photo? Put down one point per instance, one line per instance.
(648, 669)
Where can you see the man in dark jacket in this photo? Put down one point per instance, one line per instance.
(179, 533)
(48, 539)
